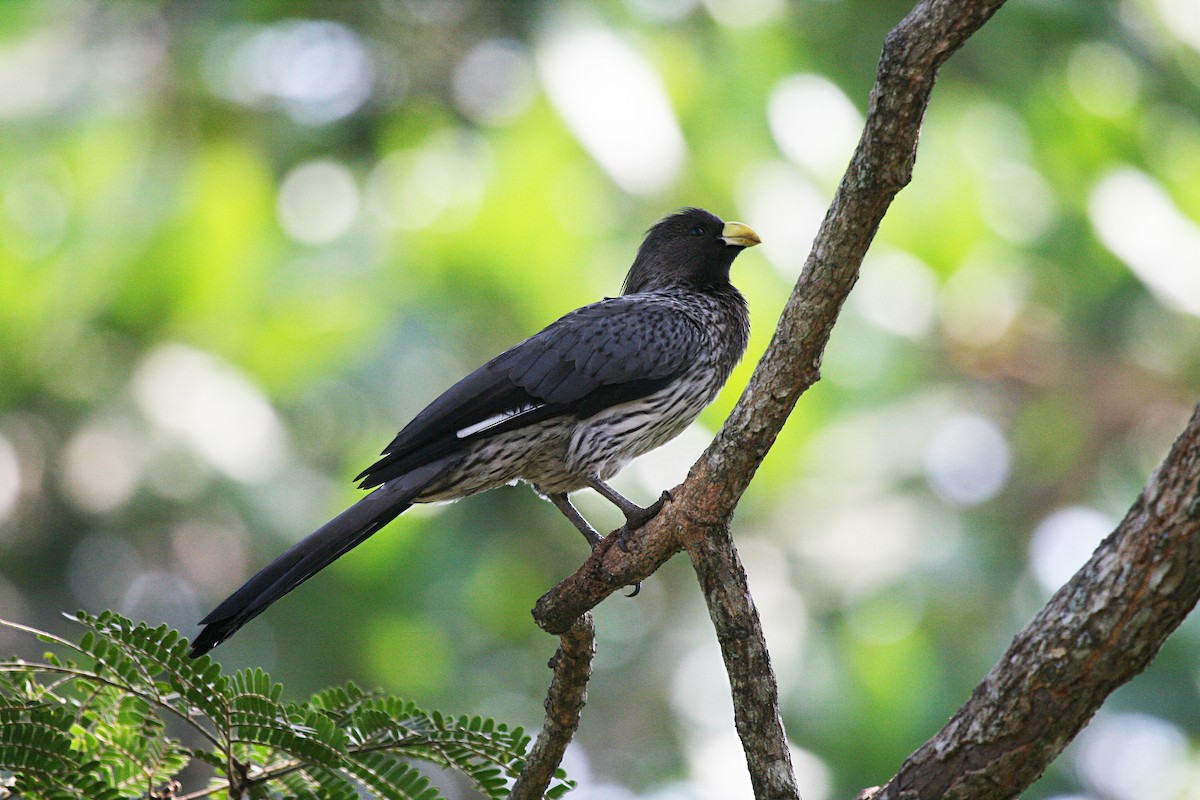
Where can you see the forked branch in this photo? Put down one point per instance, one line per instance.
(1101, 629)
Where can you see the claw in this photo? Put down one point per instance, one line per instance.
(637, 517)
(623, 538)
(637, 587)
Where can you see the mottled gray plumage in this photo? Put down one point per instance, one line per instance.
(564, 410)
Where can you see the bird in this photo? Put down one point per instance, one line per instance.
(563, 410)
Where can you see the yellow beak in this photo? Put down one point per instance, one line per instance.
(739, 234)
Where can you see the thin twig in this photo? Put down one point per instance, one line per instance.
(572, 665)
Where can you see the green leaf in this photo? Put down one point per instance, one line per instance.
(99, 731)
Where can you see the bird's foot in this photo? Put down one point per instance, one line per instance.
(623, 534)
(603, 546)
(637, 517)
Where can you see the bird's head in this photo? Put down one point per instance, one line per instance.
(690, 249)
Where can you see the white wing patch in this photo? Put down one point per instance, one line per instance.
(494, 420)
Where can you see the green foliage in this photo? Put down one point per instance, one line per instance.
(128, 710)
(142, 185)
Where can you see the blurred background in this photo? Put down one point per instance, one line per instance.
(242, 243)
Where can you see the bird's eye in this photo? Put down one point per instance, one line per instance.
(697, 230)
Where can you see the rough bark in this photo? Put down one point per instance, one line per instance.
(1097, 632)
(747, 662)
(572, 666)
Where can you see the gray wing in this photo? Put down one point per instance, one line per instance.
(601, 355)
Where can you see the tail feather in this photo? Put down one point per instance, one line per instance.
(310, 555)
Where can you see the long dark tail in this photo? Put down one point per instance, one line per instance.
(310, 555)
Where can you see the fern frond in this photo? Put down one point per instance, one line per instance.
(92, 725)
(159, 653)
(389, 778)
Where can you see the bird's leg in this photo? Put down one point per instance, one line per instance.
(563, 504)
(635, 515)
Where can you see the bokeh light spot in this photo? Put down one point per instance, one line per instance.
(317, 71)
(1133, 757)
(494, 82)
(10, 478)
(318, 202)
(967, 459)
(1063, 541)
(744, 13)
(662, 11)
(102, 465)
(864, 546)
(38, 210)
(414, 188)
(211, 555)
(614, 102)
(814, 124)
(1182, 18)
(213, 408)
(980, 300)
(787, 210)
(41, 72)
(1137, 220)
(1016, 201)
(1103, 79)
(896, 292)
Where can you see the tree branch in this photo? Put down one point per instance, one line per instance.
(748, 663)
(572, 665)
(1097, 632)
(881, 166)
(698, 517)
